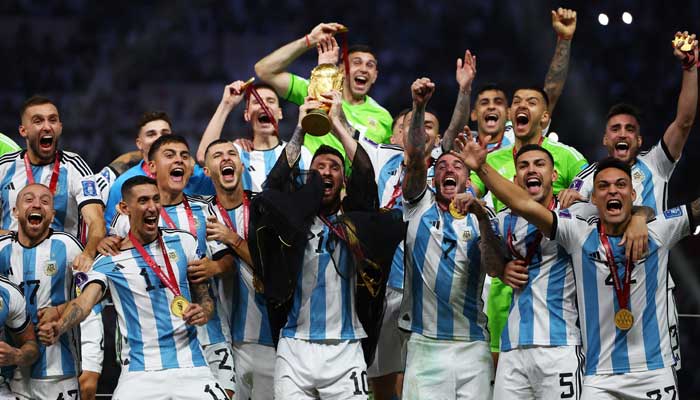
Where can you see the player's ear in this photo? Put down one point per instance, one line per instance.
(473, 115)
(544, 122)
(15, 213)
(206, 171)
(22, 131)
(152, 166)
(122, 208)
(634, 195)
(555, 175)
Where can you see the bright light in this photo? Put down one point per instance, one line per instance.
(626, 17)
(603, 19)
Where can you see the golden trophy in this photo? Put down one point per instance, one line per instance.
(324, 78)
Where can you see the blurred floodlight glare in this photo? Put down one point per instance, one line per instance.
(626, 17)
(603, 18)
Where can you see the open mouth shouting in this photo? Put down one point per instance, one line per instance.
(533, 184)
(522, 119)
(228, 173)
(177, 174)
(150, 222)
(46, 142)
(35, 219)
(491, 120)
(361, 82)
(614, 206)
(327, 186)
(449, 185)
(622, 149)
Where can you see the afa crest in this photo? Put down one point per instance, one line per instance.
(51, 268)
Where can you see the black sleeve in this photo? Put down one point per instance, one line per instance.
(555, 224)
(361, 188)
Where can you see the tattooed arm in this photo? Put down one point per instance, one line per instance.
(27, 352)
(293, 148)
(466, 70)
(73, 313)
(202, 307)
(564, 24)
(416, 170)
(125, 161)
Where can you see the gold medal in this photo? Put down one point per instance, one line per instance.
(624, 319)
(686, 45)
(258, 285)
(178, 306)
(454, 212)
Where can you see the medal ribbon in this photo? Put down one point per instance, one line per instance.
(254, 92)
(532, 248)
(622, 293)
(397, 189)
(190, 217)
(54, 175)
(227, 218)
(515, 152)
(170, 283)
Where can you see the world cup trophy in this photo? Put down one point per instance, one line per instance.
(324, 78)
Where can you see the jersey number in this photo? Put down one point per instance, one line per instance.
(362, 381)
(656, 394)
(569, 385)
(222, 363)
(609, 280)
(149, 286)
(451, 244)
(32, 285)
(208, 389)
(72, 393)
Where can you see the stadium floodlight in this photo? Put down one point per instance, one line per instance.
(603, 19)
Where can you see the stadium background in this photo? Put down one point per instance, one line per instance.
(105, 63)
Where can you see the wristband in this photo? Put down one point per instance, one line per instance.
(689, 62)
(308, 42)
(238, 242)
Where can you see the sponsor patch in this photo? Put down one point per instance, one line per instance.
(673, 213)
(565, 214)
(80, 279)
(89, 188)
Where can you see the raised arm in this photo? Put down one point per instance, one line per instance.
(233, 94)
(125, 161)
(466, 71)
(564, 24)
(293, 148)
(474, 156)
(416, 170)
(273, 68)
(677, 133)
(340, 127)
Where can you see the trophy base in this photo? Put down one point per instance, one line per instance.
(316, 122)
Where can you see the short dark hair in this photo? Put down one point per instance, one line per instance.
(537, 89)
(163, 140)
(326, 149)
(491, 86)
(135, 181)
(533, 147)
(259, 86)
(214, 143)
(35, 100)
(401, 114)
(362, 48)
(149, 116)
(624, 108)
(612, 162)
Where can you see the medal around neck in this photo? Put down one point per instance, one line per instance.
(624, 319)
(324, 78)
(454, 212)
(178, 306)
(686, 45)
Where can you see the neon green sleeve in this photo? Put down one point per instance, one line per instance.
(498, 305)
(7, 145)
(298, 89)
(478, 184)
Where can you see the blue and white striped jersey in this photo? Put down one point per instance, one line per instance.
(153, 338)
(650, 175)
(217, 329)
(444, 279)
(543, 312)
(646, 346)
(76, 187)
(323, 305)
(13, 317)
(257, 165)
(45, 276)
(104, 179)
(245, 308)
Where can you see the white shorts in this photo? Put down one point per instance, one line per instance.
(447, 369)
(6, 393)
(169, 384)
(91, 343)
(65, 388)
(546, 373)
(332, 369)
(657, 384)
(255, 371)
(220, 359)
(390, 355)
(673, 333)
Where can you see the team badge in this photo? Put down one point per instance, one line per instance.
(50, 268)
(372, 122)
(466, 235)
(173, 255)
(89, 188)
(673, 213)
(638, 176)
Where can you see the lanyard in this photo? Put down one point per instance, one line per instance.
(188, 211)
(147, 171)
(254, 92)
(54, 175)
(622, 293)
(170, 283)
(532, 248)
(496, 147)
(397, 189)
(227, 218)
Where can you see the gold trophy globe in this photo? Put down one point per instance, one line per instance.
(324, 78)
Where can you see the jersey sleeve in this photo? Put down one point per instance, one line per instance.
(660, 160)
(568, 230)
(478, 184)
(575, 163)
(673, 225)
(414, 208)
(583, 182)
(214, 247)
(86, 191)
(17, 317)
(96, 275)
(199, 183)
(298, 89)
(583, 209)
(120, 225)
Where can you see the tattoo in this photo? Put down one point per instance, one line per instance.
(125, 161)
(493, 254)
(293, 148)
(459, 119)
(416, 171)
(644, 211)
(71, 317)
(558, 70)
(201, 296)
(29, 352)
(350, 129)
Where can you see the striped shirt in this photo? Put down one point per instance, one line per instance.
(75, 188)
(13, 317)
(444, 279)
(153, 338)
(543, 312)
(257, 164)
(45, 276)
(217, 329)
(323, 304)
(646, 346)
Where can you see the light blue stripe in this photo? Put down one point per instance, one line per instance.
(474, 280)
(443, 279)
(240, 309)
(346, 267)
(6, 209)
(58, 296)
(130, 311)
(60, 198)
(648, 198)
(247, 180)
(650, 324)
(317, 319)
(29, 274)
(420, 246)
(525, 301)
(555, 298)
(292, 324)
(620, 355)
(590, 303)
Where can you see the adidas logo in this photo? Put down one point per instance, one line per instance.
(9, 186)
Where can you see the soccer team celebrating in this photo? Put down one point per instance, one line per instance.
(387, 256)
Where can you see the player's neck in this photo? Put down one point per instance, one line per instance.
(29, 242)
(351, 99)
(34, 158)
(142, 237)
(547, 200)
(330, 209)
(533, 138)
(230, 199)
(616, 229)
(494, 138)
(168, 197)
(265, 141)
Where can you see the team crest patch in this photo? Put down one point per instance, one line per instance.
(577, 184)
(466, 235)
(372, 122)
(172, 255)
(673, 213)
(89, 188)
(50, 268)
(638, 176)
